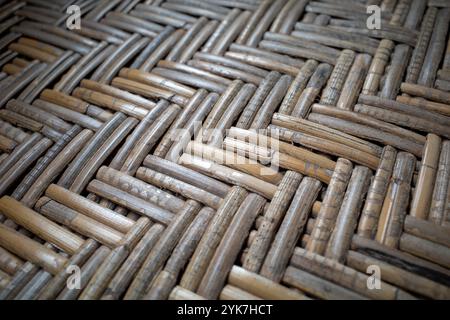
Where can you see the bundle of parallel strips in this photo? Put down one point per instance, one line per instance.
(335, 138)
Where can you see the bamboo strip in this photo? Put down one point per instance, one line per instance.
(89, 208)
(130, 202)
(228, 175)
(441, 186)
(318, 287)
(167, 279)
(79, 222)
(210, 240)
(344, 276)
(425, 249)
(229, 247)
(272, 218)
(187, 175)
(425, 104)
(425, 92)
(290, 230)
(140, 189)
(347, 218)
(162, 250)
(421, 200)
(9, 263)
(31, 250)
(427, 230)
(260, 286)
(399, 277)
(179, 187)
(370, 214)
(394, 208)
(329, 210)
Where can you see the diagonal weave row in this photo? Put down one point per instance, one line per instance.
(224, 149)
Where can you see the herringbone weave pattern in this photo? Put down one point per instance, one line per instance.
(224, 149)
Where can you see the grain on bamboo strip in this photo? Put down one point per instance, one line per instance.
(318, 287)
(64, 100)
(227, 251)
(441, 186)
(297, 152)
(32, 52)
(421, 200)
(18, 152)
(178, 187)
(235, 161)
(117, 93)
(88, 269)
(395, 204)
(18, 168)
(19, 280)
(179, 123)
(369, 121)
(330, 207)
(251, 110)
(271, 103)
(231, 114)
(218, 109)
(261, 286)
(191, 129)
(108, 101)
(31, 250)
(158, 81)
(89, 149)
(162, 250)
(57, 283)
(122, 154)
(186, 175)
(344, 276)
(124, 276)
(426, 92)
(290, 230)
(377, 67)
(161, 46)
(7, 145)
(399, 277)
(9, 263)
(21, 121)
(336, 82)
(347, 218)
(228, 175)
(425, 249)
(12, 132)
(148, 91)
(179, 293)
(89, 208)
(140, 189)
(211, 239)
(54, 168)
(441, 108)
(230, 34)
(168, 278)
(394, 75)
(370, 214)
(130, 202)
(84, 120)
(367, 132)
(233, 293)
(101, 154)
(420, 49)
(149, 139)
(321, 131)
(39, 225)
(415, 113)
(401, 259)
(79, 222)
(97, 284)
(435, 49)
(272, 218)
(427, 230)
(314, 86)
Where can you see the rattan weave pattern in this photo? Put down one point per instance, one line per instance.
(224, 149)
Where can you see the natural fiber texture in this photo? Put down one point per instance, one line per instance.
(214, 149)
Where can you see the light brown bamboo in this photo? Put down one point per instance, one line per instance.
(441, 186)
